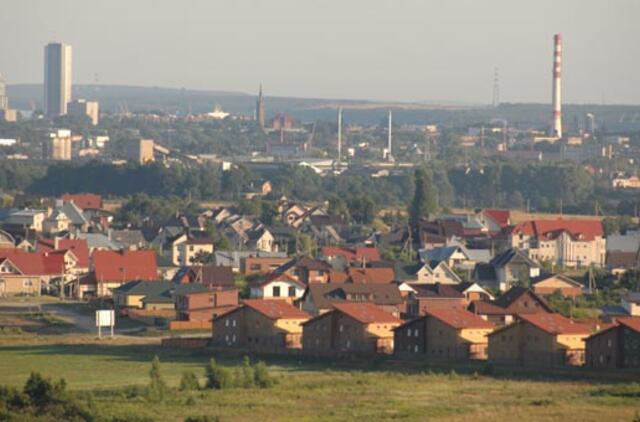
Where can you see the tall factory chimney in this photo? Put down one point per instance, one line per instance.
(556, 125)
(339, 136)
(389, 156)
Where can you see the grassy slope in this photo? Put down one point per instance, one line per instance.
(303, 392)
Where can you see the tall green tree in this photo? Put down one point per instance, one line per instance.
(424, 197)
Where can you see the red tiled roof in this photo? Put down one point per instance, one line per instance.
(382, 275)
(79, 248)
(275, 309)
(501, 217)
(486, 308)
(366, 313)
(630, 322)
(84, 201)
(278, 277)
(459, 318)
(549, 229)
(368, 254)
(338, 277)
(34, 263)
(125, 265)
(555, 324)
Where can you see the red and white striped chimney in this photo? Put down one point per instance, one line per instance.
(556, 125)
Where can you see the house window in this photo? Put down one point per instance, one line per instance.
(233, 322)
(609, 343)
(408, 332)
(415, 332)
(292, 291)
(27, 283)
(276, 291)
(226, 322)
(233, 339)
(415, 348)
(348, 344)
(341, 328)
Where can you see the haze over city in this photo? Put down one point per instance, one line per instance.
(382, 50)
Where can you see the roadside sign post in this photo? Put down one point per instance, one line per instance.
(105, 318)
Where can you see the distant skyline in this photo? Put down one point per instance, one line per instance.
(401, 50)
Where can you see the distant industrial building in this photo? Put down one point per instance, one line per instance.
(260, 112)
(82, 107)
(6, 114)
(556, 125)
(57, 78)
(141, 151)
(58, 146)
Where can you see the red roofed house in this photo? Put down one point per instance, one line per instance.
(84, 201)
(448, 334)
(615, 347)
(349, 256)
(571, 243)
(261, 326)
(29, 272)
(371, 275)
(78, 247)
(539, 340)
(277, 286)
(361, 328)
(110, 269)
(501, 218)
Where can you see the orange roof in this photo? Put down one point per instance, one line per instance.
(368, 254)
(275, 309)
(549, 229)
(125, 265)
(366, 313)
(79, 248)
(459, 318)
(630, 322)
(84, 201)
(501, 217)
(338, 277)
(34, 263)
(555, 324)
(378, 275)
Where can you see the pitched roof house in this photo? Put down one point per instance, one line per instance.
(350, 328)
(541, 339)
(84, 201)
(425, 297)
(29, 272)
(212, 276)
(320, 298)
(260, 325)
(445, 334)
(516, 301)
(505, 269)
(110, 269)
(615, 347)
(277, 286)
(548, 284)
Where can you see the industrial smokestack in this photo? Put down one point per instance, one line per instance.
(339, 136)
(389, 156)
(556, 125)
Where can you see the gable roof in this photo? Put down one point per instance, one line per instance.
(378, 275)
(510, 255)
(325, 295)
(79, 248)
(84, 201)
(34, 263)
(210, 275)
(549, 229)
(437, 290)
(365, 313)
(124, 265)
(500, 217)
(275, 309)
(555, 324)
(630, 322)
(143, 287)
(514, 293)
(546, 277)
(263, 281)
(357, 254)
(459, 318)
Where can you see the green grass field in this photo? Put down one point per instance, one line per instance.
(105, 373)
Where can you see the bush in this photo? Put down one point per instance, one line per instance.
(217, 376)
(189, 381)
(261, 376)
(248, 376)
(202, 419)
(157, 386)
(42, 392)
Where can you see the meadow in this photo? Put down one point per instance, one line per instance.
(111, 375)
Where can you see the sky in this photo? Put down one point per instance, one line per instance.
(388, 50)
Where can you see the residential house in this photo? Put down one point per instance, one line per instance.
(630, 302)
(84, 201)
(306, 270)
(350, 328)
(28, 272)
(128, 239)
(206, 304)
(569, 243)
(424, 273)
(503, 310)
(129, 295)
(455, 255)
(212, 276)
(320, 298)
(425, 297)
(542, 339)
(548, 284)
(261, 264)
(186, 249)
(506, 269)
(111, 269)
(341, 258)
(445, 334)
(233, 259)
(272, 326)
(366, 275)
(28, 218)
(277, 286)
(615, 347)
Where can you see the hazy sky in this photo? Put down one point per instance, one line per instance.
(368, 49)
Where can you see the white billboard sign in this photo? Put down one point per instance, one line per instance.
(105, 318)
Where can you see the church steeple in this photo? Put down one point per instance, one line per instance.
(260, 108)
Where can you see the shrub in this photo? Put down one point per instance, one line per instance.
(248, 376)
(189, 381)
(261, 376)
(202, 419)
(42, 392)
(217, 376)
(157, 386)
